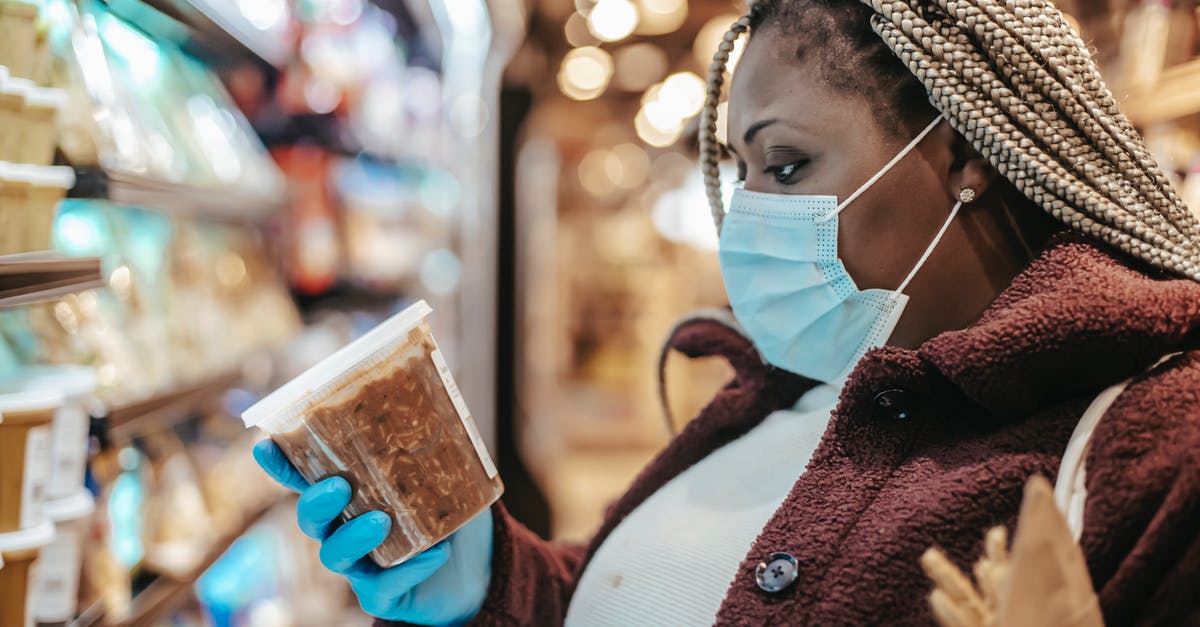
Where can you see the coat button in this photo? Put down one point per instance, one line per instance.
(777, 572)
(894, 404)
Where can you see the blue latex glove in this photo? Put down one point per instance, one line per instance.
(445, 585)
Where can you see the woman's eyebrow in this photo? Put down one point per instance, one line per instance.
(748, 138)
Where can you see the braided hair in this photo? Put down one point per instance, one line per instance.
(1016, 81)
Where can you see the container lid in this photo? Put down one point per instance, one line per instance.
(3, 74)
(72, 507)
(72, 381)
(29, 400)
(57, 176)
(17, 86)
(49, 97)
(26, 539)
(331, 367)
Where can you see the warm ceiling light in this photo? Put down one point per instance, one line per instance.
(659, 17)
(683, 92)
(612, 20)
(710, 37)
(639, 66)
(577, 33)
(585, 73)
(652, 134)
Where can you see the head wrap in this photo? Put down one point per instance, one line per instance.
(1016, 81)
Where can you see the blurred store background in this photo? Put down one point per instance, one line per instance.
(201, 198)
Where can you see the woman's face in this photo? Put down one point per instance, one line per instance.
(791, 133)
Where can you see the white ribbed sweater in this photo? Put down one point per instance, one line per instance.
(671, 561)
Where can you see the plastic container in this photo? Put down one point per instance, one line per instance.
(45, 187)
(18, 578)
(25, 443)
(69, 431)
(13, 191)
(12, 110)
(56, 586)
(18, 36)
(385, 414)
(39, 129)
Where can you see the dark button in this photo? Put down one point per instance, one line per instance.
(894, 404)
(777, 572)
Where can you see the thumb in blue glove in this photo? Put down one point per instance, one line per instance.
(445, 585)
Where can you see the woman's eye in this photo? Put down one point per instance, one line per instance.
(786, 174)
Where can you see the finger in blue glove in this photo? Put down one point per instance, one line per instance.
(273, 461)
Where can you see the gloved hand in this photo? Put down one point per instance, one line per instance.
(445, 585)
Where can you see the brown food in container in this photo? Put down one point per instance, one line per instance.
(385, 414)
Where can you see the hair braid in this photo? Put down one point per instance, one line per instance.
(709, 150)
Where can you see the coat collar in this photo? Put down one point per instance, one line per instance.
(1076, 320)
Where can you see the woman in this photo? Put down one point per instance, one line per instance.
(929, 299)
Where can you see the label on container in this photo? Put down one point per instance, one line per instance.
(31, 590)
(57, 581)
(464, 414)
(70, 451)
(37, 474)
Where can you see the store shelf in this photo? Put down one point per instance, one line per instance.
(28, 278)
(213, 30)
(163, 411)
(133, 189)
(1177, 94)
(166, 593)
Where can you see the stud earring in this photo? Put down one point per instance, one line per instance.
(966, 195)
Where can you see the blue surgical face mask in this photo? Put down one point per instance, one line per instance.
(789, 289)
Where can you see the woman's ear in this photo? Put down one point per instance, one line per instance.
(968, 168)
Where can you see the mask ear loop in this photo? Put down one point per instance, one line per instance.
(929, 249)
(878, 175)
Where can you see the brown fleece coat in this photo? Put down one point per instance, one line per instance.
(933, 446)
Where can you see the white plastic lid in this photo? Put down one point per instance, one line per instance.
(71, 507)
(59, 176)
(26, 539)
(49, 97)
(30, 400)
(17, 87)
(328, 369)
(3, 74)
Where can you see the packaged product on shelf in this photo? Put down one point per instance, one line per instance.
(18, 36)
(141, 246)
(14, 190)
(56, 585)
(178, 527)
(39, 129)
(25, 443)
(18, 578)
(385, 413)
(195, 315)
(12, 113)
(43, 56)
(47, 186)
(104, 327)
(69, 431)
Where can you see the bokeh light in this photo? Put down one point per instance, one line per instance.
(585, 73)
(612, 20)
(659, 17)
(639, 66)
